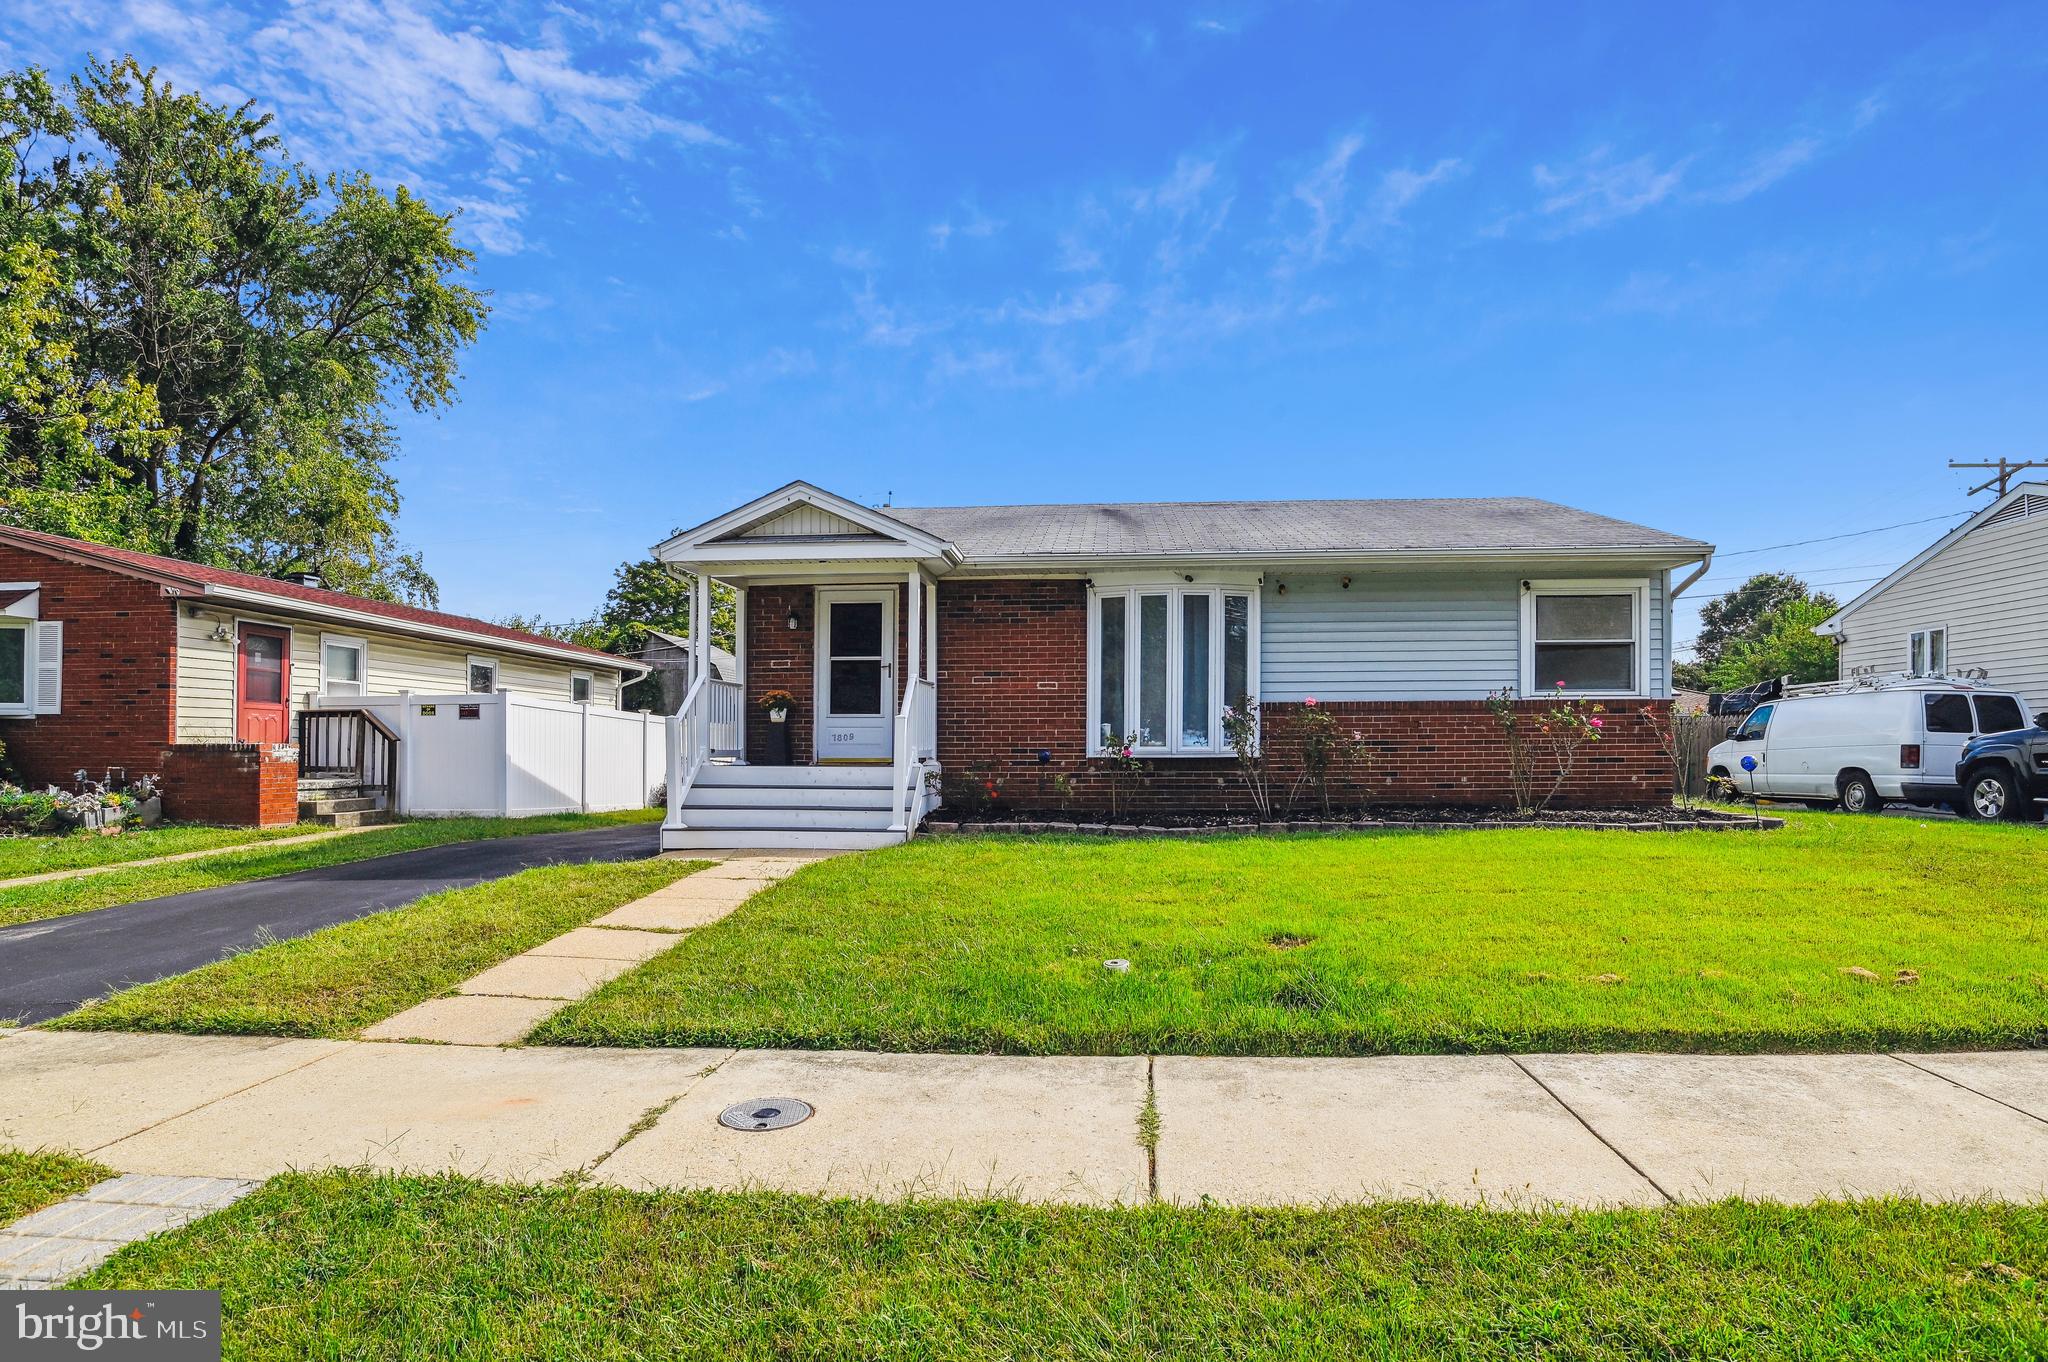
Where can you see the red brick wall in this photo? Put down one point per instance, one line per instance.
(120, 664)
(243, 784)
(781, 658)
(1013, 683)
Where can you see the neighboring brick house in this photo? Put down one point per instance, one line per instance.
(1003, 651)
(113, 660)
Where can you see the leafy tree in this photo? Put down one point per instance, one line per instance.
(1744, 615)
(644, 596)
(216, 335)
(1782, 643)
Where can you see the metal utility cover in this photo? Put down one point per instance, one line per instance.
(765, 1113)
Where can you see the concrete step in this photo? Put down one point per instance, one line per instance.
(362, 818)
(786, 816)
(821, 839)
(801, 777)
(311, 808)
(787, 796)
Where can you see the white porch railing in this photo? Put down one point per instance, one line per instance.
(725, 716)
(917, 747)
(711, 723)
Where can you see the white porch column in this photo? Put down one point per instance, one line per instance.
(931, 631)
(739, 635)
(913, 606)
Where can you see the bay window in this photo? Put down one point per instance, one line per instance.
(1585, 638)
(1163, 661)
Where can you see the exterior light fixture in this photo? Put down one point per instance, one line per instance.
(793, 622)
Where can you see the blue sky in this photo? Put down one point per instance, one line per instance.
(1746, 272)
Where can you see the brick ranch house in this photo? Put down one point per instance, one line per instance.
(116, 660)
(1009, 645)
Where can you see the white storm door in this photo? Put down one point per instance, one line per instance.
(856, 674)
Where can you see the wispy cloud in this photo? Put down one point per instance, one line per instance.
(1597, 189)
(423, 92)
(1335, 218)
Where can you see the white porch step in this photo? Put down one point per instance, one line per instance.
(822, 839)
(792, 796)
(795, 777)
(786, 816)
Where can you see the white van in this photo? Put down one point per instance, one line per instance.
(1861, 743)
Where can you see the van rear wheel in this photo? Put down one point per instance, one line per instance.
(1857, 793)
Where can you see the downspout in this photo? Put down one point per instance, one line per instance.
(1671, 594)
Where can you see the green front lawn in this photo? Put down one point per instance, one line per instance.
(20, 856)
(337, 981)
(1376, 942)
(57, 897)
(339, 1264)
(33, 1179)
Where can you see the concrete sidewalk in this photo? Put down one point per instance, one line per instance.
(1527, 1130)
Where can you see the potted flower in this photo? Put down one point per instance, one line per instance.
(778, 703)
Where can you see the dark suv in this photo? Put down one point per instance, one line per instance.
(2005, 775)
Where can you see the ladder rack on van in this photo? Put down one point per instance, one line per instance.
(1971, 679)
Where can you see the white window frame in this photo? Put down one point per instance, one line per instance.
(26, 708)
(1638, 587)
(589, 681)
(1174, 590)
(479, 660)
(1921, 641)
(362, 650)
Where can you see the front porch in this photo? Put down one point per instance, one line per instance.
(848, 632)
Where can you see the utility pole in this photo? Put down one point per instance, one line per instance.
(2006, 469)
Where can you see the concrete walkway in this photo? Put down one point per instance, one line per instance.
(502, 1004)
(1530, 1130)
(258, 844)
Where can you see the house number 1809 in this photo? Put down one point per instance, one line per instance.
(843, 737)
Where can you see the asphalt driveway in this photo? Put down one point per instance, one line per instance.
(48, 968)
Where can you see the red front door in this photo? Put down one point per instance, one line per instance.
(263, 685)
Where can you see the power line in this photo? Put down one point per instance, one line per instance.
(1830, 538)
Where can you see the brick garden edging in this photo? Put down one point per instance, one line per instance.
(1730, 823)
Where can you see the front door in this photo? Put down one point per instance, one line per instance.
(856, 671)
(263, 684)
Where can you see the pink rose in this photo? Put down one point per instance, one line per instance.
(1310, 702)
(1560, 685)
(1596, 723)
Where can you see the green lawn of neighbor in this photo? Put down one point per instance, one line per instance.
(359, 1266)
(57, 897)
(20, 856)
(1369, 943)
(336, 981)
(31, 1179)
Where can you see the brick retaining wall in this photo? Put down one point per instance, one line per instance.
(240, 784)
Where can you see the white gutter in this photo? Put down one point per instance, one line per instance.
(288, 605)
(1694, 575)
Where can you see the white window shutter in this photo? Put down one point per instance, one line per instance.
(49, 666)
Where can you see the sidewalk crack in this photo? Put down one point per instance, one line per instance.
(1613, 1148)
(1974, 1092)
(1148, 1132)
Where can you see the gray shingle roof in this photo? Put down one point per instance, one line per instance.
(1194, 528)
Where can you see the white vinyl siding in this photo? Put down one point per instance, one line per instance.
(1404, 636)
(807, 520)
(396, 662)
(1986, 590)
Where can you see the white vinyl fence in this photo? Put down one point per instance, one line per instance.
(515, 755)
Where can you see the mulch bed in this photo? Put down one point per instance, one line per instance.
(1403, 818)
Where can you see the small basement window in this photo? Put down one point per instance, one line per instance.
(1584, 638)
